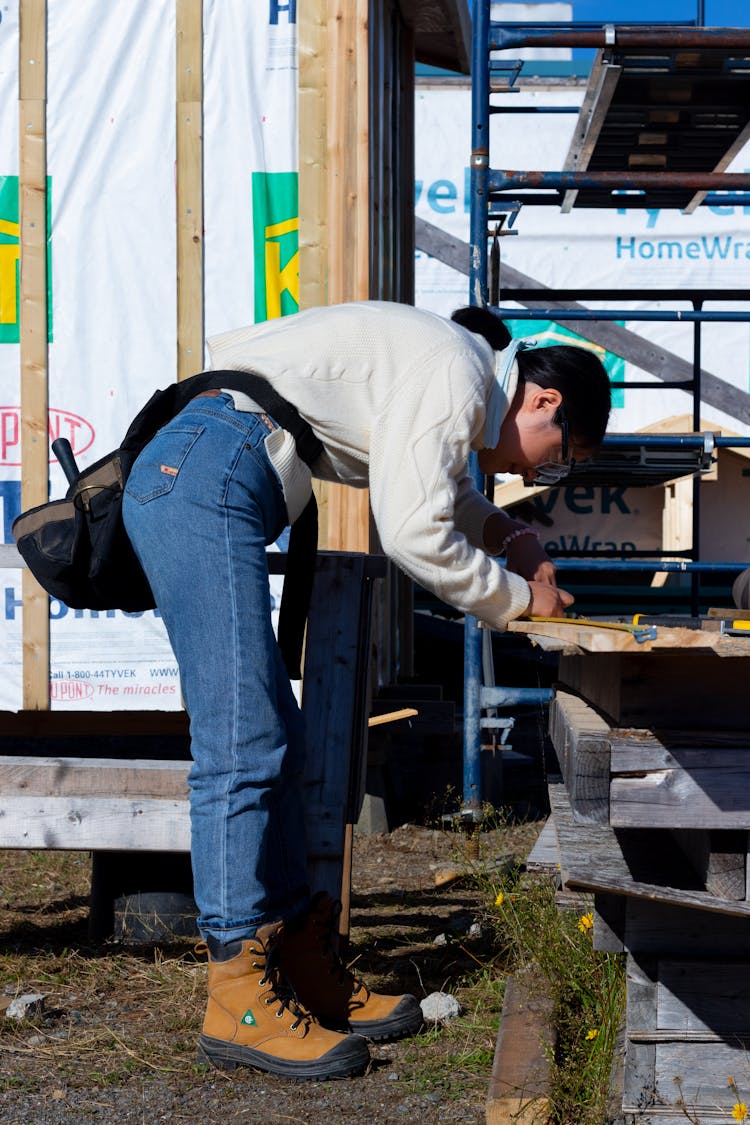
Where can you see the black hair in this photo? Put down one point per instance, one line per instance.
(577, 373)
(483, 323)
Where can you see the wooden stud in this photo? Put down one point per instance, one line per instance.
(189, 140)
(313, 182)
(313, 188)
(348, 214)
(33, 328)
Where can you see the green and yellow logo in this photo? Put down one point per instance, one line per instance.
(10, 250)
(275, 244)
(547, 332)
(249, 1019)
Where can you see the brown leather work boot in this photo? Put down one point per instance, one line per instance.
(253, 1019)
(330, 991)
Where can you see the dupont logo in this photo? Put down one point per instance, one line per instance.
(62, 423)
(70, 691)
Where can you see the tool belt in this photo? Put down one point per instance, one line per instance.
(78, 549)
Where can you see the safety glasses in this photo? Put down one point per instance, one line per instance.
(550, 472)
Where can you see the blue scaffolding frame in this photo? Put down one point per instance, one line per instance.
(496, 194)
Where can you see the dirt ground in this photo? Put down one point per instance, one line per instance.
(116, 1040)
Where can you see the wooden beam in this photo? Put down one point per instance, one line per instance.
(347, 150)
(596, 858)
(34, 320)
(312, 29)
(134, 778)
(189, 140)
(581, 739)
(663, 690)
(313, 186)
(94, 823)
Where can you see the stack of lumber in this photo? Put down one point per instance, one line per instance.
(652, 814)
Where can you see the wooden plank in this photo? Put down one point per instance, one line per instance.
(581, 739)
(347, 66)
(717, 797)
(703, 1069)
(596, 858)
(633, 751)
(313, 181)
(588, 636)
(33, 327)
(640, 1014)
(335, 706)
(669, 690)
(88, 823)
(704, 996)
(189, 186)
(23, 776)
(665, 929)
(313, 203)
(520, 1079)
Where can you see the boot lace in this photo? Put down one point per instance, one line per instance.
(281, 990)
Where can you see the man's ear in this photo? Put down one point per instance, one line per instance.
(546, 398)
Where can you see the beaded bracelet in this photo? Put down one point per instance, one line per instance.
(515, 535)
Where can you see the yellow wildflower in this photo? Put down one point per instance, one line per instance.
(500, 899)
(586, 923)
(739, 1113)
(592, 1033)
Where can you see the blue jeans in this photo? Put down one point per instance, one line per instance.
(201, 504)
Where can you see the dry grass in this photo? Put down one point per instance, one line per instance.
(108, 1012)
(121, 1018)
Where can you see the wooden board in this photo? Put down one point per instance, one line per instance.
(635, 863)
(66, 803)
(520, 1077)
(95, 823)
(666, 929)
(630, 778)
(584, 636)
(687, 1030)
(32, 190)
(676, 690)
(90, 777)
(716, 796)
(189, 185)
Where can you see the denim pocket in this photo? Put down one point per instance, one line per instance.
(159, 464)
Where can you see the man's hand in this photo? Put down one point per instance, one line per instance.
(547, 600)
(526, 556)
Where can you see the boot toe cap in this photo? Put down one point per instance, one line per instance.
(405, 1018)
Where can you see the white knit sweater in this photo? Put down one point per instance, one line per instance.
(398, 397)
